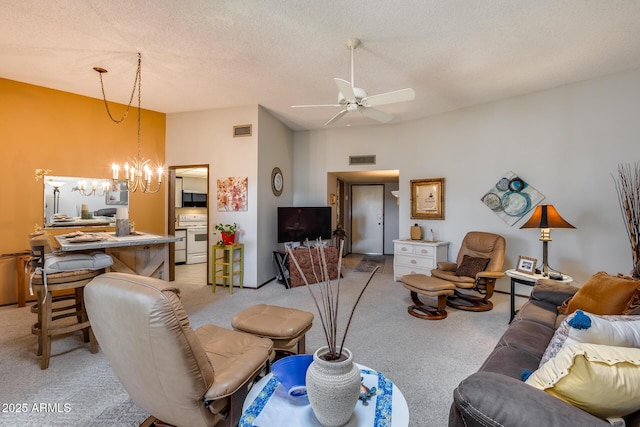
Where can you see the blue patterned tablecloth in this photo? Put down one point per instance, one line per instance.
(271, 402)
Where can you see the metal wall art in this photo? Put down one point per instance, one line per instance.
(511, 198)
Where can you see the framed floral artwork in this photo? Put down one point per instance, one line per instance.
(232, 194)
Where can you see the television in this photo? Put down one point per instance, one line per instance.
(296, 224)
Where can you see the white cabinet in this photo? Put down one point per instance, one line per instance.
(178, 192)
(417, 256)
(181, 247)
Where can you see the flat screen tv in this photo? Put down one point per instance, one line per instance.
(296, 224)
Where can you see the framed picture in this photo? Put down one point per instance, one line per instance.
(526, 265)
(118, 194)
(427, 198)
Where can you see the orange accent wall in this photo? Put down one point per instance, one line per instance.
(73, 136)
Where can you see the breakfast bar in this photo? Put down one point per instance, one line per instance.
(139, 253)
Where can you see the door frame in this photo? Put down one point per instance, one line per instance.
(171, 216)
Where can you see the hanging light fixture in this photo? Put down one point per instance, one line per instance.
(138, 175)
(82, 188)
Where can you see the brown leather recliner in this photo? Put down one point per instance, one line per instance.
(475, 276)
(178, 375)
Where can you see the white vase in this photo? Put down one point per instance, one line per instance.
(333, 388)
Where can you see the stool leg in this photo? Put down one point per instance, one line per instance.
(39, 312)
(424, 311)
(82, 314)
(44, 329)
(302, 345)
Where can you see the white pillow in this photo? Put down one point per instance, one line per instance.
(619, 333)
(591, 335)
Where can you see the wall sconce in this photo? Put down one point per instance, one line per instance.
(396, 194)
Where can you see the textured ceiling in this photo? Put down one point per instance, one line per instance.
(203, 54)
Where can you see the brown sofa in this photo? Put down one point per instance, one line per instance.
(496, 395)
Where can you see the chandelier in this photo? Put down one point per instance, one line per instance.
(138, 174)
(83, 189)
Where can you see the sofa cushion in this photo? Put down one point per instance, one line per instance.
(528, 336)
(510, 361)
(73, 262)
(470, 266)
(540, 312)
(602, 380)
(602, 294)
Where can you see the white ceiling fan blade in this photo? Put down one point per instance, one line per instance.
(378, 115)
(389, 98)
(336, 117)
(346, 90)
(316, 105)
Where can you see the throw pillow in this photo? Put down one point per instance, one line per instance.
(602, 294)
(621, 331)
(633, 306)
(599, 379)
(470, 266)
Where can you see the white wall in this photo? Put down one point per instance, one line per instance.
(566, 142)
(275, 149)
(206, 137)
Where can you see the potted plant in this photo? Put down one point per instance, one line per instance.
(628, 189)
(333, 379)
(227, 234)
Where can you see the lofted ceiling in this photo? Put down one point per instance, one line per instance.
(207, 54)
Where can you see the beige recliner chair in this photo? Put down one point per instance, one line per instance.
(180, 376)
(474, 274)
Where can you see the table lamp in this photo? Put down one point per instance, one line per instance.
(546, 217)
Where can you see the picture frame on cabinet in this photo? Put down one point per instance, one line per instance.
(427, 198)
(526, 265)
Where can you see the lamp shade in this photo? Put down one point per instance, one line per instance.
(546, 216)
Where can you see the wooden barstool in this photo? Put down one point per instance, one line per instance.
(44, 284)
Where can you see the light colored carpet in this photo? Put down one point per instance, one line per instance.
(426, 359)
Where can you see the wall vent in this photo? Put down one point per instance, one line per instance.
(362, 160)
(241, 130)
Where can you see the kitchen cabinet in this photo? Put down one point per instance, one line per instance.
(178, 192)
(181, 247)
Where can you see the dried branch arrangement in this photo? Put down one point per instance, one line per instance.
(628, 189)
(327, 301)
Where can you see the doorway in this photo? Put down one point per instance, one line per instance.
(367, 219)
(191, 180)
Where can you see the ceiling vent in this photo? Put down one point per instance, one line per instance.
(362, 160)
(241, 130)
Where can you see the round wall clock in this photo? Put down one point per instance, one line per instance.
(276, 181)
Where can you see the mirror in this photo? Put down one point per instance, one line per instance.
(64, 201)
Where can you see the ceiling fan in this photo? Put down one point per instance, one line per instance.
(352, 98)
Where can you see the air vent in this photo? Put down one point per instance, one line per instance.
(242, 130)
(362, 160)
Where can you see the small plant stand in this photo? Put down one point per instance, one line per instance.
(227, 265)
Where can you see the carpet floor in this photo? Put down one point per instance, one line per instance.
(425, 359)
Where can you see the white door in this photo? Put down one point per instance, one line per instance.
(367, 219)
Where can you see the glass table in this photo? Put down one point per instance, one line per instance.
(269, 405)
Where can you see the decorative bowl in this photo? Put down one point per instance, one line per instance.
(291, 372)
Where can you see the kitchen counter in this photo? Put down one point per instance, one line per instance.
(140, 253)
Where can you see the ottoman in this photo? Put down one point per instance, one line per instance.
(286, 327)
(432, 287)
